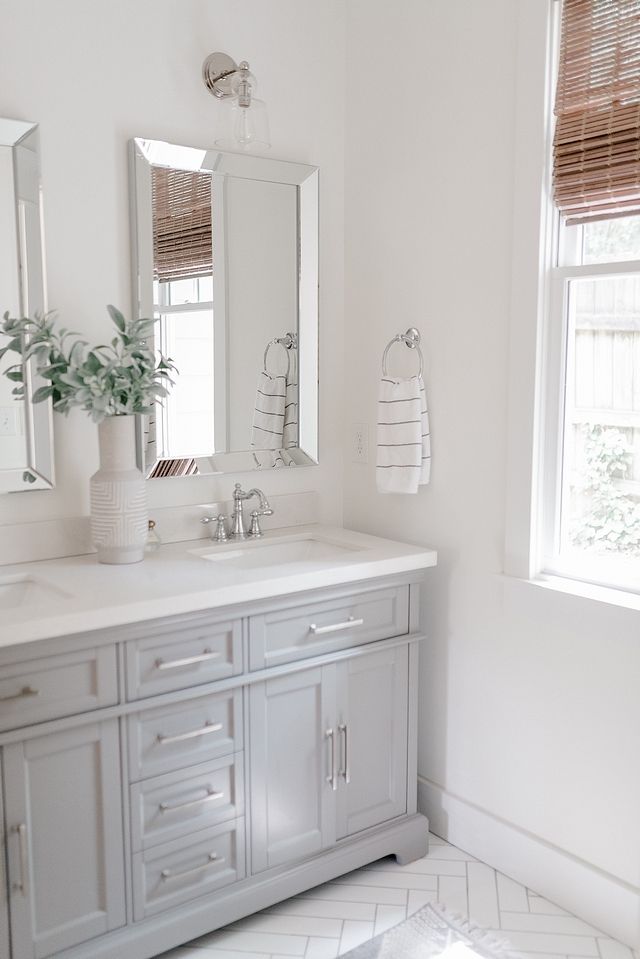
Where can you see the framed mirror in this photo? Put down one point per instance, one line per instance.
(26, 432)
(225, 258)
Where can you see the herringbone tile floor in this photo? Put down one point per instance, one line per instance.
(331, 919)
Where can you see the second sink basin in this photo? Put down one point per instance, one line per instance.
(304, 553)
(25, 591)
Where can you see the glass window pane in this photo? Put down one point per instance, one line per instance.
(183, 291)
(600, 514)
(610, 240)
(187, 414)
(205, 289)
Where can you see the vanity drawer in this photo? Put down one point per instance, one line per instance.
(182, 870)
(203, 654)
(167, 807)
(57, 686)
(173, 737)
(324, 627)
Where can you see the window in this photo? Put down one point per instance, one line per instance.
(590, 491)
(186, 422)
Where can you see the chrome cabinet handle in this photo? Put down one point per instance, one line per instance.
(332, 778)
(213, 859)
(344, 772)
(335, 627)
(180, 737)
(22, 886)
(212, 795)
(24, 692)
(189, 661)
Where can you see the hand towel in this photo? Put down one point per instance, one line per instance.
(290, 431)
(268, 415)
(404, 443)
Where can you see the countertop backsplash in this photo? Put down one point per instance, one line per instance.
(53, 539)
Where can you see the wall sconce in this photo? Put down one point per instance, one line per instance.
(244, 123)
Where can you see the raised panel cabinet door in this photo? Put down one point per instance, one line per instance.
(4, 894)
(372, 696)
(65, 838)
(292, 741)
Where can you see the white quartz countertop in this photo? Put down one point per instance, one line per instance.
(77, 594)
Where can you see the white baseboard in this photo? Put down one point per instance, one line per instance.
(593, 895)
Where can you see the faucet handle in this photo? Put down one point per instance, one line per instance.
(221, 534)
(254, 529)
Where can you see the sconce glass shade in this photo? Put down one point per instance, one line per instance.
(243, 128)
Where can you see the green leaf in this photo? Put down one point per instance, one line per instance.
(15, 376)
(93, 362)
(42, 394)
(144, 328)
(117, 317)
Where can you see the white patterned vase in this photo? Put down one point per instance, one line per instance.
(119, 519)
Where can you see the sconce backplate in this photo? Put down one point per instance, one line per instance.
(217, 71)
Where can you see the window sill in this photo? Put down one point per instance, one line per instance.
(573, 587)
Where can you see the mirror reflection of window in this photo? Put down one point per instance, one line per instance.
(184, 425)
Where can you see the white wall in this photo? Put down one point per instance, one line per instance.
(95, 74)
(530, 711)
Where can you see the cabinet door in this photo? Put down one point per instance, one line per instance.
(4, 896)
(292, 801)
(64, 820)
(372, 739)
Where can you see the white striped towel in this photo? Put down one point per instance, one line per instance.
(268, 415)
(404, 444)
(290, 431)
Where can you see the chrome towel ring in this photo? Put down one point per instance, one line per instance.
(288, 342)
(411, 339)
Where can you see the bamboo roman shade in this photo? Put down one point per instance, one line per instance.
(596, 161)
(182, 244)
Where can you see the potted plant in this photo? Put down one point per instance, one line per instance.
(113, 383)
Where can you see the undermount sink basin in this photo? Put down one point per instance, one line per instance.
(302, 553)
(18, 591)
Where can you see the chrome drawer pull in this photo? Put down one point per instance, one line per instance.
(335, 627)
(210, 797)
(22, 886)
(24, 692)
(344, 772)
(167, 874)
(189, 661)
(332, 778)
(206, 729)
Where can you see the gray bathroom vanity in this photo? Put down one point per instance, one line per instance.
(167, 774)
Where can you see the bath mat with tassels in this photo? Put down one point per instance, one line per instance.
(431, 932)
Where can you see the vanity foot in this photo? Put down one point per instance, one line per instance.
(412, 851)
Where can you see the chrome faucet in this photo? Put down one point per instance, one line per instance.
(238, 530)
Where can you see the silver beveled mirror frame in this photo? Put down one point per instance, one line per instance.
(306, 180)
(28, 298)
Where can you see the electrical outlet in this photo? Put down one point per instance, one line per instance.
(8, 424)
(360, 443)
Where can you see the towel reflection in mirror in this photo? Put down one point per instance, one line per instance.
(275, 417)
